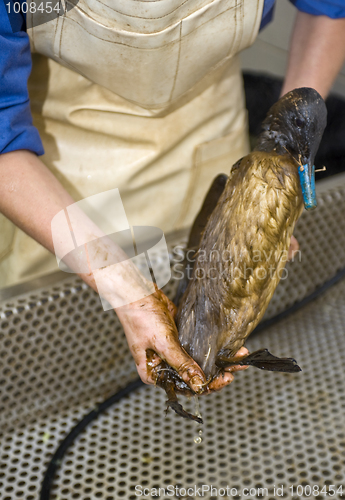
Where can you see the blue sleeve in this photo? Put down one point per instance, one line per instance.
(16, 128)
(267, 13)
(331, 8)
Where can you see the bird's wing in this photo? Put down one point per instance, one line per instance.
(209, 204)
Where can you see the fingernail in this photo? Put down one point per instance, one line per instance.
(196, 384)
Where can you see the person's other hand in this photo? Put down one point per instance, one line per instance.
(226, 376)
(294, 247)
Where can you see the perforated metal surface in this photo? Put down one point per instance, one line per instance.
(60, 354)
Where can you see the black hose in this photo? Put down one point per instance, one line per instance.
(68, 440)
(71, 436)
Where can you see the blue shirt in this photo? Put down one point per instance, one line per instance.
(331, 8)
(16, 128)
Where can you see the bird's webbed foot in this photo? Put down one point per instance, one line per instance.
(262, 359)
(178, 408)
(169, 381)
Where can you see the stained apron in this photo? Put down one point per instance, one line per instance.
(144, 96)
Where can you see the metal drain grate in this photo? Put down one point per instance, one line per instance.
(60, 354)
(265, 429)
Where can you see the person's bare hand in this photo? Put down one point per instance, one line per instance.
(152, 337)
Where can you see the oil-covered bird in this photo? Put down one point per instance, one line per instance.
(242, 249)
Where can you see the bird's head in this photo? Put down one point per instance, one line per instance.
(295, 125)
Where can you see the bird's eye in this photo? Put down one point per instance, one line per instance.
(299, 123)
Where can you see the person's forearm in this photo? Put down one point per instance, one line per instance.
(30, 196)
(317, 53)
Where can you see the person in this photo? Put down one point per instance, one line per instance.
(146, 98)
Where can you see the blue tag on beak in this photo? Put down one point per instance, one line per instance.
(308, 186)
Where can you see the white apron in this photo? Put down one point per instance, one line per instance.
(145, 96)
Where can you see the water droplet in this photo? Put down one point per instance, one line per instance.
(197, 439)
(197, 406)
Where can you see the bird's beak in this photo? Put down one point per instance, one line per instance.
(307, 179)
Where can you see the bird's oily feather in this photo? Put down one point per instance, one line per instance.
(241, 257)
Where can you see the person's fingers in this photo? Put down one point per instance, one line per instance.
(171, 351)
(243, 351)
(147, 376)
(167, 348)
(293, 249)
(221, 381)
(147, 363)
(226, 377)
(236, 368)
(239, 355)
